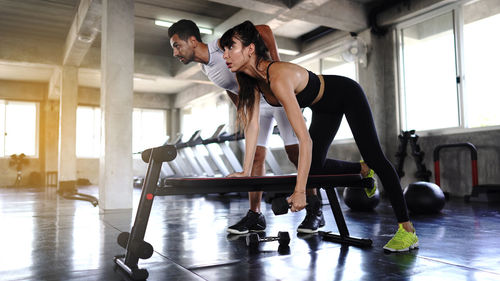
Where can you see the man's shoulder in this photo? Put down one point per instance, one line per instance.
(214, 47)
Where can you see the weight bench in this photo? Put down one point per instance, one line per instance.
(137, 248)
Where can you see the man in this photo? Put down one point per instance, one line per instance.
(188, 47)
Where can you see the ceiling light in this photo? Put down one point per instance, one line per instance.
(288, 52)
(169, 23)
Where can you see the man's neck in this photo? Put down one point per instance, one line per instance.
(201, 53)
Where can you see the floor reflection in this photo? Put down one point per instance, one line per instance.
(45, 237)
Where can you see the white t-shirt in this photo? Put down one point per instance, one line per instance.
(217, 71)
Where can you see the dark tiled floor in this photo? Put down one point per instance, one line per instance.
(46, 237)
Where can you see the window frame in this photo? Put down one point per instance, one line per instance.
(336, 50)
(37, 127)
(458, 29)
(94, 107)
(141, 110)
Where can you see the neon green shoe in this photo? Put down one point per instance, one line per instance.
(371, 191)
(402, 241)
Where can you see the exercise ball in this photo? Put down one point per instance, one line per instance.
(357, 200)
(424, 197)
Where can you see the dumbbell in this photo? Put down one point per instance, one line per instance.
(280, 205)
(254, 239)
(143, 249)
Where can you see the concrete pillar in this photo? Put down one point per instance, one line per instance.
(117, 68)
(67, 129)
(174, 121)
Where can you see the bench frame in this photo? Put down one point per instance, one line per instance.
(156, 156)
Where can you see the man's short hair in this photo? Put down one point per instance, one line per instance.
(184, 29)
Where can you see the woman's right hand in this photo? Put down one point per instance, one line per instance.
(297, 201)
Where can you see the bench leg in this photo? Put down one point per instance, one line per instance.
(344, 236)
(129, 261)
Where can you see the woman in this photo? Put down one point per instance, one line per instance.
(329, 97)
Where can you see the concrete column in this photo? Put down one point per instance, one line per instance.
(174, 121)
(117, 68)
(67, 129)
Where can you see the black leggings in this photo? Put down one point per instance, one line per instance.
(345, 96)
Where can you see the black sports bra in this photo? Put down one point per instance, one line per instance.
(306, 96)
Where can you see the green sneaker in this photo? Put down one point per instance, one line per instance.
(371, 191)
(402, 241)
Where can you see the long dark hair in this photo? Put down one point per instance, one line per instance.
(247, 34)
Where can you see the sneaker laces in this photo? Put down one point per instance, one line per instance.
(400, 234)
(246, 218)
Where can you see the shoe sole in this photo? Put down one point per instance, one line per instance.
(414, 246)
(305, 230)
(234, 231)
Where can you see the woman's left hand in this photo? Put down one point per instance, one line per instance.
(297, 201)
(238, 175)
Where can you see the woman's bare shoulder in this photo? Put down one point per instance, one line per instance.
(281, 68)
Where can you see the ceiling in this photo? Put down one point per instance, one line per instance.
(33, 34)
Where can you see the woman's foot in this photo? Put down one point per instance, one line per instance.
(366, 172)
(404, 240)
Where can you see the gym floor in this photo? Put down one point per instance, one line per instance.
(46, 237)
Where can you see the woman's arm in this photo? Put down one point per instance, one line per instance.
(251, 135)
(283, 86)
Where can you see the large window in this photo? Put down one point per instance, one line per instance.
(429, 74)
(334, 65)
(481, 45)
(448, 63)
(206, 114)
(18, 128)
(149, 128)
(88, 131)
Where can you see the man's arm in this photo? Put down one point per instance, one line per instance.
(267, 35)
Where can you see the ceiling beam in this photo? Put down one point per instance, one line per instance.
(83, 30)
(152, 12)
(407, 10)
(338, 14)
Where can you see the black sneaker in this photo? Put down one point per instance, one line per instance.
(314, 217)
(253, 221)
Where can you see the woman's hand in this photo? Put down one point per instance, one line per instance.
(297, 201)
(238, 175)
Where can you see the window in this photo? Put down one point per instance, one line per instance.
(335, 65)
(206, 114)
(88, 131)
(448, 63)
(149, 128)
(18, 128)
(429, 83)
(481, 45)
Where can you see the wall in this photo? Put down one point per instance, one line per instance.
(379, 81)
(88, 168)
(47, 159)
(455, 163)
(24, 91)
